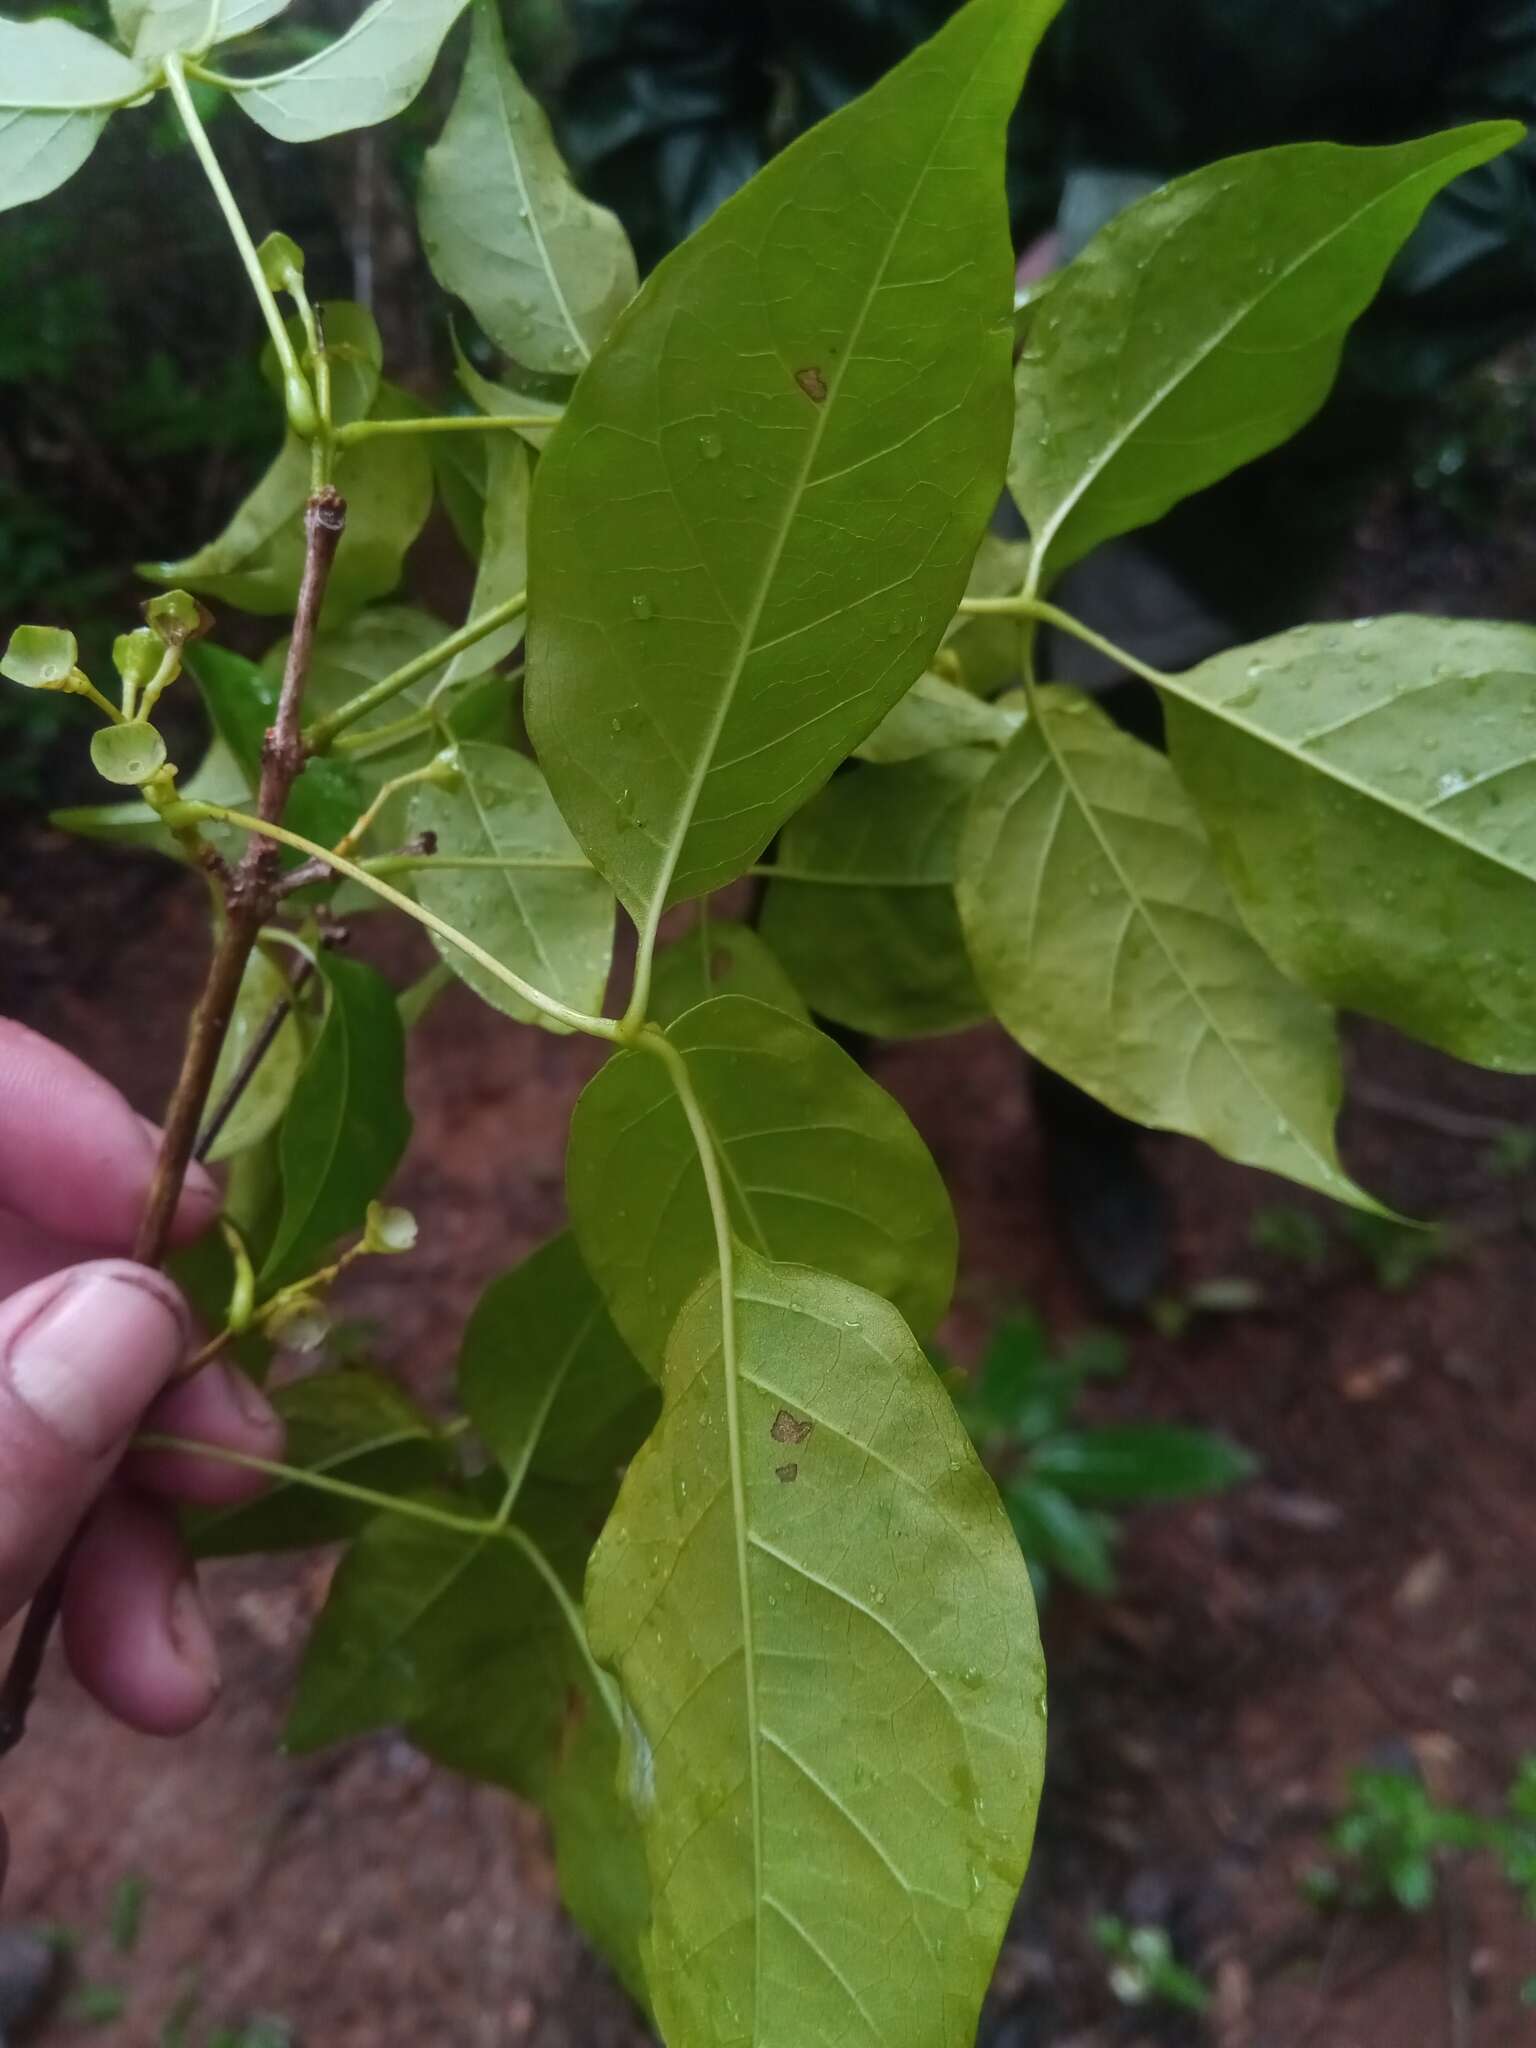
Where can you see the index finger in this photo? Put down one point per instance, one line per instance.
(74, 1157)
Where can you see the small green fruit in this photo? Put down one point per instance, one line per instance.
(176, 617)
(299, 404)
(282, 261)
(297, 1323)
(129, 753)
(40, 658)
(388, 1229)
(136, 656)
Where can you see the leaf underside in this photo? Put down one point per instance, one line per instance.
(790, 443)
(825, 1633)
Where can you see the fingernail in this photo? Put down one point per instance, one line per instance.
(192, 1637)
(92, 1356)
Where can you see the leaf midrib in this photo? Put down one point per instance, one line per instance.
(280, 1255)
(535, 226)
(749, 625)
(1321, 764)
(509, 883)
(1090, 476)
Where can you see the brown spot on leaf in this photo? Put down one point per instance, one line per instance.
(784, 1473)
(720, 963)
(789, 1429)
(812, 383)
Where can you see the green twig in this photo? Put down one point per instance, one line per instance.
(197, 135)
(324, 730)
(449, 423)
(573, 1020)
(493, 1529)
(1034, 608)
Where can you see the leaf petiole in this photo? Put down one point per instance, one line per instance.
(574, 1020)
(449, 423)
(497, 1528)
(324, 730)
(1035, 608)
(294, 381)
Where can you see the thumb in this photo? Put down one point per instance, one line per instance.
(82, 1354)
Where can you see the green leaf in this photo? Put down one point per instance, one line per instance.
(240, 17)
(153, 28)
(498, 401)
(791, 465)
(1102, 931)
(503, 564)
(369, 74)
(456, 1637)
(128, 753)
(241, 701)
(265, 1095)
(544, 271)
(1056, 1536)
(720, 958)
(1140, 1461)
(57, 87)
(870, 935)
(1370, 791)
(346, 1125)
(542, 911)
(350, 1425)
(545, 1377)
(818, 1161)
(933, 715)
(825, 1635)
(257, 561)
(351, 657)
(1222, 302)
(459, 468)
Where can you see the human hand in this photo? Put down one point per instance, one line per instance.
(88, 1341)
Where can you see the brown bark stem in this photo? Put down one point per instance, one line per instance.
(256, 1052)
(249, 899)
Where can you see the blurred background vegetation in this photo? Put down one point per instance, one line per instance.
(133, 417)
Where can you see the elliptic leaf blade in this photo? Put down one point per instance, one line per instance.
(543, 270)
(346, 1124)
(816, 1158)
(826, 1638)
(536, 905)
(38, 152)
(369, 74)
(545, 1377)
(791, 449)
(1370, 791)
(57, 87)
(503, 565)
(720, 958)
(265, 1095)
(1224, 299)
(865, 918)
(1104, 936)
